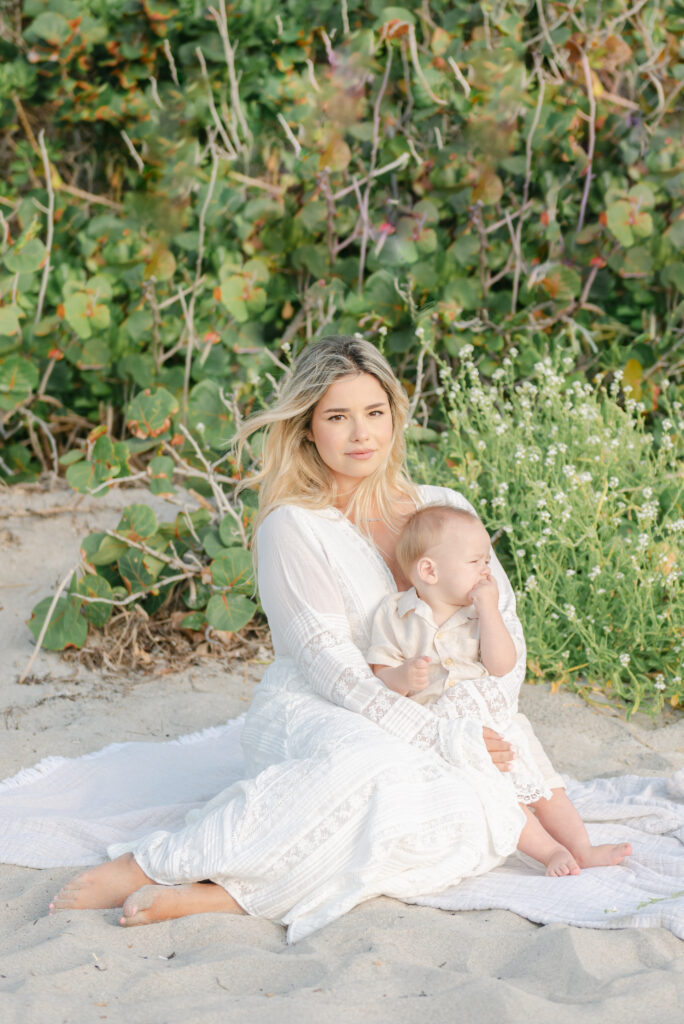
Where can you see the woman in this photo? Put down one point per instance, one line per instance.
(354, 791)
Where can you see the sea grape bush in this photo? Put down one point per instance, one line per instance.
(189, 188)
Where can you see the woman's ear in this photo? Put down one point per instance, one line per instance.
(426, 570)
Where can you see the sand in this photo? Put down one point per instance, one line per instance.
(384, 961)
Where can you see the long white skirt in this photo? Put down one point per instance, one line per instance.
(337, 811)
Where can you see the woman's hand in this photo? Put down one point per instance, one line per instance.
(498, 749)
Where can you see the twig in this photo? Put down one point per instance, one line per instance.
(175, 563)
(413, 49)
(181, 291)
(50, 225)
(89, 197)
(401, 162)
(244, 179)
(460, 77)
(365, 231)
(48, 434)
(345, 18)
(155, 92)
(220, 127)
(592, 139)
(219, 497)
(288, 131)
(312, 75)
(515, 241)
(229, 51)
(46, 623)
(132, 150)
(172, 64)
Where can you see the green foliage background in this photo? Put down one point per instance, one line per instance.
(191, 192)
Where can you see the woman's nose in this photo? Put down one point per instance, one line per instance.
(359, 429)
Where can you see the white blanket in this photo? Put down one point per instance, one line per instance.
(65, 812)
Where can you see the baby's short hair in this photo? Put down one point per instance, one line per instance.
(423, 530)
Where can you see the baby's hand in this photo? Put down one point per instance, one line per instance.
(485, 595)
(417, 678)
(409, 677)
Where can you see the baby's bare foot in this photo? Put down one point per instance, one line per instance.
(604, 855)
(561, 863)
(154, 903)
(102, 887)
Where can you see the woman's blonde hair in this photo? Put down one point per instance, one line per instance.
(292, 472)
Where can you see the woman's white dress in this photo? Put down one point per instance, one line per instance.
(354, 791)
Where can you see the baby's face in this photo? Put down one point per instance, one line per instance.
(461, 559)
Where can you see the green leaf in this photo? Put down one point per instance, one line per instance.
(54, 29)
(26, 257)
(150, 412)
(160, 472)
(561, 283)
(83, 313)
(87, 477)
(395, 14)
(233, 569)
(229, 612)
(9, 319)
(232, 294)
(618, 215)
(674, 234)
(211, 541)
(161, 265)
(67, 627)
(18, 378)
(137, 522)
(674, 274)
(195, 620)
(139, 571)
(98, 549)
(92, 585)
(75, 455)
(228, 531)
(209, 419)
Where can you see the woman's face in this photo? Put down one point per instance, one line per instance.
(352, 429)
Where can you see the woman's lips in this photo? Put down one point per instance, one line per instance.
(361, 455)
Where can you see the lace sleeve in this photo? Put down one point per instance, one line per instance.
(306, 614)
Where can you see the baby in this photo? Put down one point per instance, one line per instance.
(447, 632)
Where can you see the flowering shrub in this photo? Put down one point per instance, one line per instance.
(587, 511)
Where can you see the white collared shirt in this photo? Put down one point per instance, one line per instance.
(404, 627)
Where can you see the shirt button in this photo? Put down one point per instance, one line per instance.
(438, 636)
(448, 661)
(451, 683)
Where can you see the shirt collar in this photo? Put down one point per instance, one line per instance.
(410, 602)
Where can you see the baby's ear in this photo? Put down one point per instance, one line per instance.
(426, 570)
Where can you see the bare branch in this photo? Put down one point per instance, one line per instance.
(592, 140)
(50, 225)
(288, 131)
(46, 623)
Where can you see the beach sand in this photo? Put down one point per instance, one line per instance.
(384, 961)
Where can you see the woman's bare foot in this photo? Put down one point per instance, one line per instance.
(562, 862)
(603, 856)
(105, 886)
(154, 903)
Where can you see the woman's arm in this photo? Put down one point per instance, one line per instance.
(309, 624)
